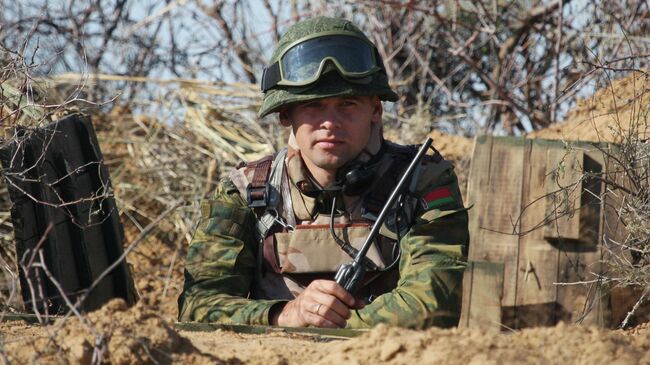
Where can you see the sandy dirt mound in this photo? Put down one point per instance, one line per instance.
(135, 337)
(115, 333)
(558, 345)
(270, 349)
(622, 107)
(452, 147)
(562, 344)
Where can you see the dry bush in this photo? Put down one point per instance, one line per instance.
(617, 118)
(628, 187)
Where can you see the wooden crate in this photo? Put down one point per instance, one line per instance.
(535, 229)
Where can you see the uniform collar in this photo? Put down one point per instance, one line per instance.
(298, 173)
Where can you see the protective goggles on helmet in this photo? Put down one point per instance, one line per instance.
(303, 61)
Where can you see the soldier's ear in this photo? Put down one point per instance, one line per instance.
(377, 109)
(284, 116)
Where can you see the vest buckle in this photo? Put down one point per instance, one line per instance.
(258, 196)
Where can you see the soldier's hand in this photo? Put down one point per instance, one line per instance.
(324, 303)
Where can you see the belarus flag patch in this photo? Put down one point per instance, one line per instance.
(438, 197)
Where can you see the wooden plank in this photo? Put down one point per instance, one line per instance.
(580, 260)
(563, 186)
(494, 188)
(485, 281)
(477, 177)
(538, 259)
(582, 303)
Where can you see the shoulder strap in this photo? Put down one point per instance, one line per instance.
(271, 183)
(257, 192)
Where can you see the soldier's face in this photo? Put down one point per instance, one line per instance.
(332, 131)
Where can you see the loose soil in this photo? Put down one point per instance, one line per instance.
(139, 336)
(115, 333)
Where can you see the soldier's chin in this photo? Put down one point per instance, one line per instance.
(330, 163)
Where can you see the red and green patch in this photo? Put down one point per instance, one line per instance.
(438, 197)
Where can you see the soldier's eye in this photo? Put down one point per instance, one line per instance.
(312, 104)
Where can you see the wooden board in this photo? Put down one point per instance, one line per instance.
(482, 308)
(563, 187)
(494, 189)
(540, 244)
(580, 261)
(538, 259)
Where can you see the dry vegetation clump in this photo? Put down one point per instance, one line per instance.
(9, 295)
(629, 256)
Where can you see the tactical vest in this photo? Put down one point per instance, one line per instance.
(295, 248)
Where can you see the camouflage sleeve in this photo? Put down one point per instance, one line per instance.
(434, 253)
(220, 264)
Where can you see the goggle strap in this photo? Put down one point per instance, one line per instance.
(270, 77)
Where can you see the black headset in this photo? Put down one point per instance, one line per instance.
(355, 177)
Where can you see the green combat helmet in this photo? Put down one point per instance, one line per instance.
(320, 58)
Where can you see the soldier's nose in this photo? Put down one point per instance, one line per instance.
(331, 120)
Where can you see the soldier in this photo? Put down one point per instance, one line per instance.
(277, 229)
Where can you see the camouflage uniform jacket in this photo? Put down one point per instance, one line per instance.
(228, 277)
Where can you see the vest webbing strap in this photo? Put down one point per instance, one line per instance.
(257, 189)
(272, 189)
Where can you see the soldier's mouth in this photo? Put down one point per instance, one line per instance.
(328, 143)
